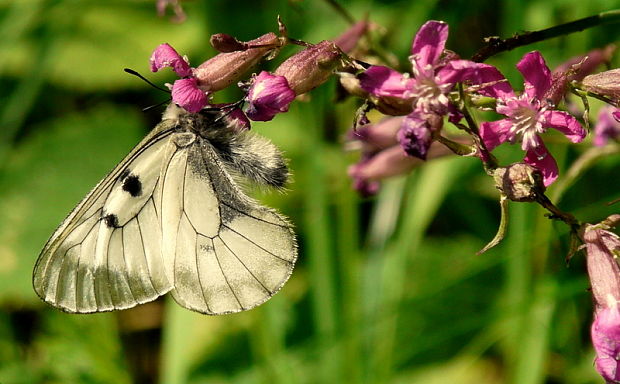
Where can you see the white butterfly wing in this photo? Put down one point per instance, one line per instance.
(169, 217)
(106, 255)
(229, 253)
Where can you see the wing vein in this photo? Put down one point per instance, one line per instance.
(144, 251)
(223, 274)
(125, 261)
(254, 217)
(204, 297)
(245, 266)
(266, 250)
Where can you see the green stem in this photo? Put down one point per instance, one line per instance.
(497, 45)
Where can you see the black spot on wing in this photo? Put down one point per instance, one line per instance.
(111, 220)
(132, 185)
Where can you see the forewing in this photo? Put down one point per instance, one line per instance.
(227, 252)
(106, 255)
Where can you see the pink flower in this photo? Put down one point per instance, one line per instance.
(435, 72)
(602, 246)
(193, 90)
(185, 92)
(271, 94)
(607, 125)
(382, 156)
(528, 116)
(605, 335)
(268, 96)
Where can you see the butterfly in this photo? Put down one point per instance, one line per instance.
(171, 217)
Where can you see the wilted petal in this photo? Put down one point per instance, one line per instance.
(268, 96)
(616, 115)
(166, 56)
(383, 81)
(544, 162)
(605, 334)
(415, 135)
(564, 123)
(493, 133)
(429, 43)
(536, 74)
(186, 94)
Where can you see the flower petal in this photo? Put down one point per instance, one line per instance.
(489, 79)
(429, 43)
(383, 81)
(605, 334)
(415, 135)
(268, 96)
(186, 94)
(565, 123)
(166, 56)
(379, 135)
(544, 162)
(493, 133)
(536, 74)
(386, 163)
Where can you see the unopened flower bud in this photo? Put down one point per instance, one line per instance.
(226, 43)
(519, 182)
(605, 83)
(226, 68)
(311, 67)
(349, 39)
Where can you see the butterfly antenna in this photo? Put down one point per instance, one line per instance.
(146, 109)
(132, 72)
(228, 109)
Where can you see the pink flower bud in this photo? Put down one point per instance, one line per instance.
(311, 67)
(605, 83)
(226, 68)
(601, 247)
(268, 96)
(349, 39)
(226, 43)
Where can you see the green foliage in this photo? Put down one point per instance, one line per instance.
(387, 290)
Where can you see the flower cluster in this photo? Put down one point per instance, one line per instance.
(267, 94)
(439, 89)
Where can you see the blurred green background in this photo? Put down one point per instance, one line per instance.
(387, 289)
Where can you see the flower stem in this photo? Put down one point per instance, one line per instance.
(556, 213)
(495, 44)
